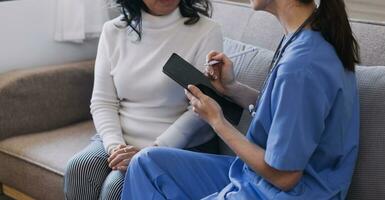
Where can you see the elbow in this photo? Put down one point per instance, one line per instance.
(286, 186)
(288, 182)
(101, 106)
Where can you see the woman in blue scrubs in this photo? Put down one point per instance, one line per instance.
(303, 140)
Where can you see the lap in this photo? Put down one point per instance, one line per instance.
(194, 174)
(94, 149)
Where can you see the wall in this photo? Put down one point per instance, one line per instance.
(26, 36)
(373, 10)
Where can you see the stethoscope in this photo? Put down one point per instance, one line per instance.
(276, 58)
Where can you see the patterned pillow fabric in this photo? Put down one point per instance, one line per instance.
(369, 178)
(250, 69)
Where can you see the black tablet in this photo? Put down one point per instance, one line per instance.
(185, 74)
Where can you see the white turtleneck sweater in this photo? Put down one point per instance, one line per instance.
(133, 102)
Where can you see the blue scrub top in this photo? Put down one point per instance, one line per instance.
(307, 120)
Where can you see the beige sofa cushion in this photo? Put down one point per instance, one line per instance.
(39, 99)
(35, 163)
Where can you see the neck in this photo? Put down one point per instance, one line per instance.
(291, 14)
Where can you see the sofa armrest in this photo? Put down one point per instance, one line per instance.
(39, 99)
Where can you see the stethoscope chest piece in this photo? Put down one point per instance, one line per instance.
(252, 110)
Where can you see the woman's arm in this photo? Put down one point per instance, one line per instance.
(104, 101)
(183, 129)
(242, 94)
(250, 153)
(253, 156)
(180, 132)
(223, 78)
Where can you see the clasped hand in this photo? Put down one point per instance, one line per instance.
(121, 156)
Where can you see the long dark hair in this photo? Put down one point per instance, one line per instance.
(132, 12)
(332, 21)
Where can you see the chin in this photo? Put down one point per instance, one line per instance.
(163, 11)
(259, 4)
(167, 6)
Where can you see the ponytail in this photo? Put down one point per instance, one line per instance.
(332, 21)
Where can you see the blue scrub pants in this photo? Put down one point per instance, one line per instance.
(167, 173)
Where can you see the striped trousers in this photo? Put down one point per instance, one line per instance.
(88, 176)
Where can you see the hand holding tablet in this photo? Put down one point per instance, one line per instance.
(185, 74)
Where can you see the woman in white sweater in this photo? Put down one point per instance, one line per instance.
(134, 105)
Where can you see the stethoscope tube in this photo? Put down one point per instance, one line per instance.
(277, 57)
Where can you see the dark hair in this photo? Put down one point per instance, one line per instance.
(332, 21)
(132, 12)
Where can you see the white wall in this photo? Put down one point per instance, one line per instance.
(373, 10)
(26, 37)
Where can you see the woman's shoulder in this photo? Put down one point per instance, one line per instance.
(309, 51)
(313, 58)
(113, 32)
(114, 25)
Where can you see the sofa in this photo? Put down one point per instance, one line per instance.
(45, 118)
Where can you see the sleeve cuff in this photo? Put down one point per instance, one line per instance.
(110, 148)
(171, 140)
(110, 143)
(283, 163)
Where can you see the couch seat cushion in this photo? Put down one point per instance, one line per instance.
(51, 149)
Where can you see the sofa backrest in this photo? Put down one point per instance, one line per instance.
(39, 99)
(240, 22)
(369, 176)
(242, 25)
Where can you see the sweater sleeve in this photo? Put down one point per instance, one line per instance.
(104, 101)
(179, 134)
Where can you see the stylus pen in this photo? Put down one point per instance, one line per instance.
(213, 62)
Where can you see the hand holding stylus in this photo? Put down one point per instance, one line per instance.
(221, 74)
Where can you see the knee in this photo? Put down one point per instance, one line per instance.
(111, 189)
(81, 164)
(148, 155)
(73, 165)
